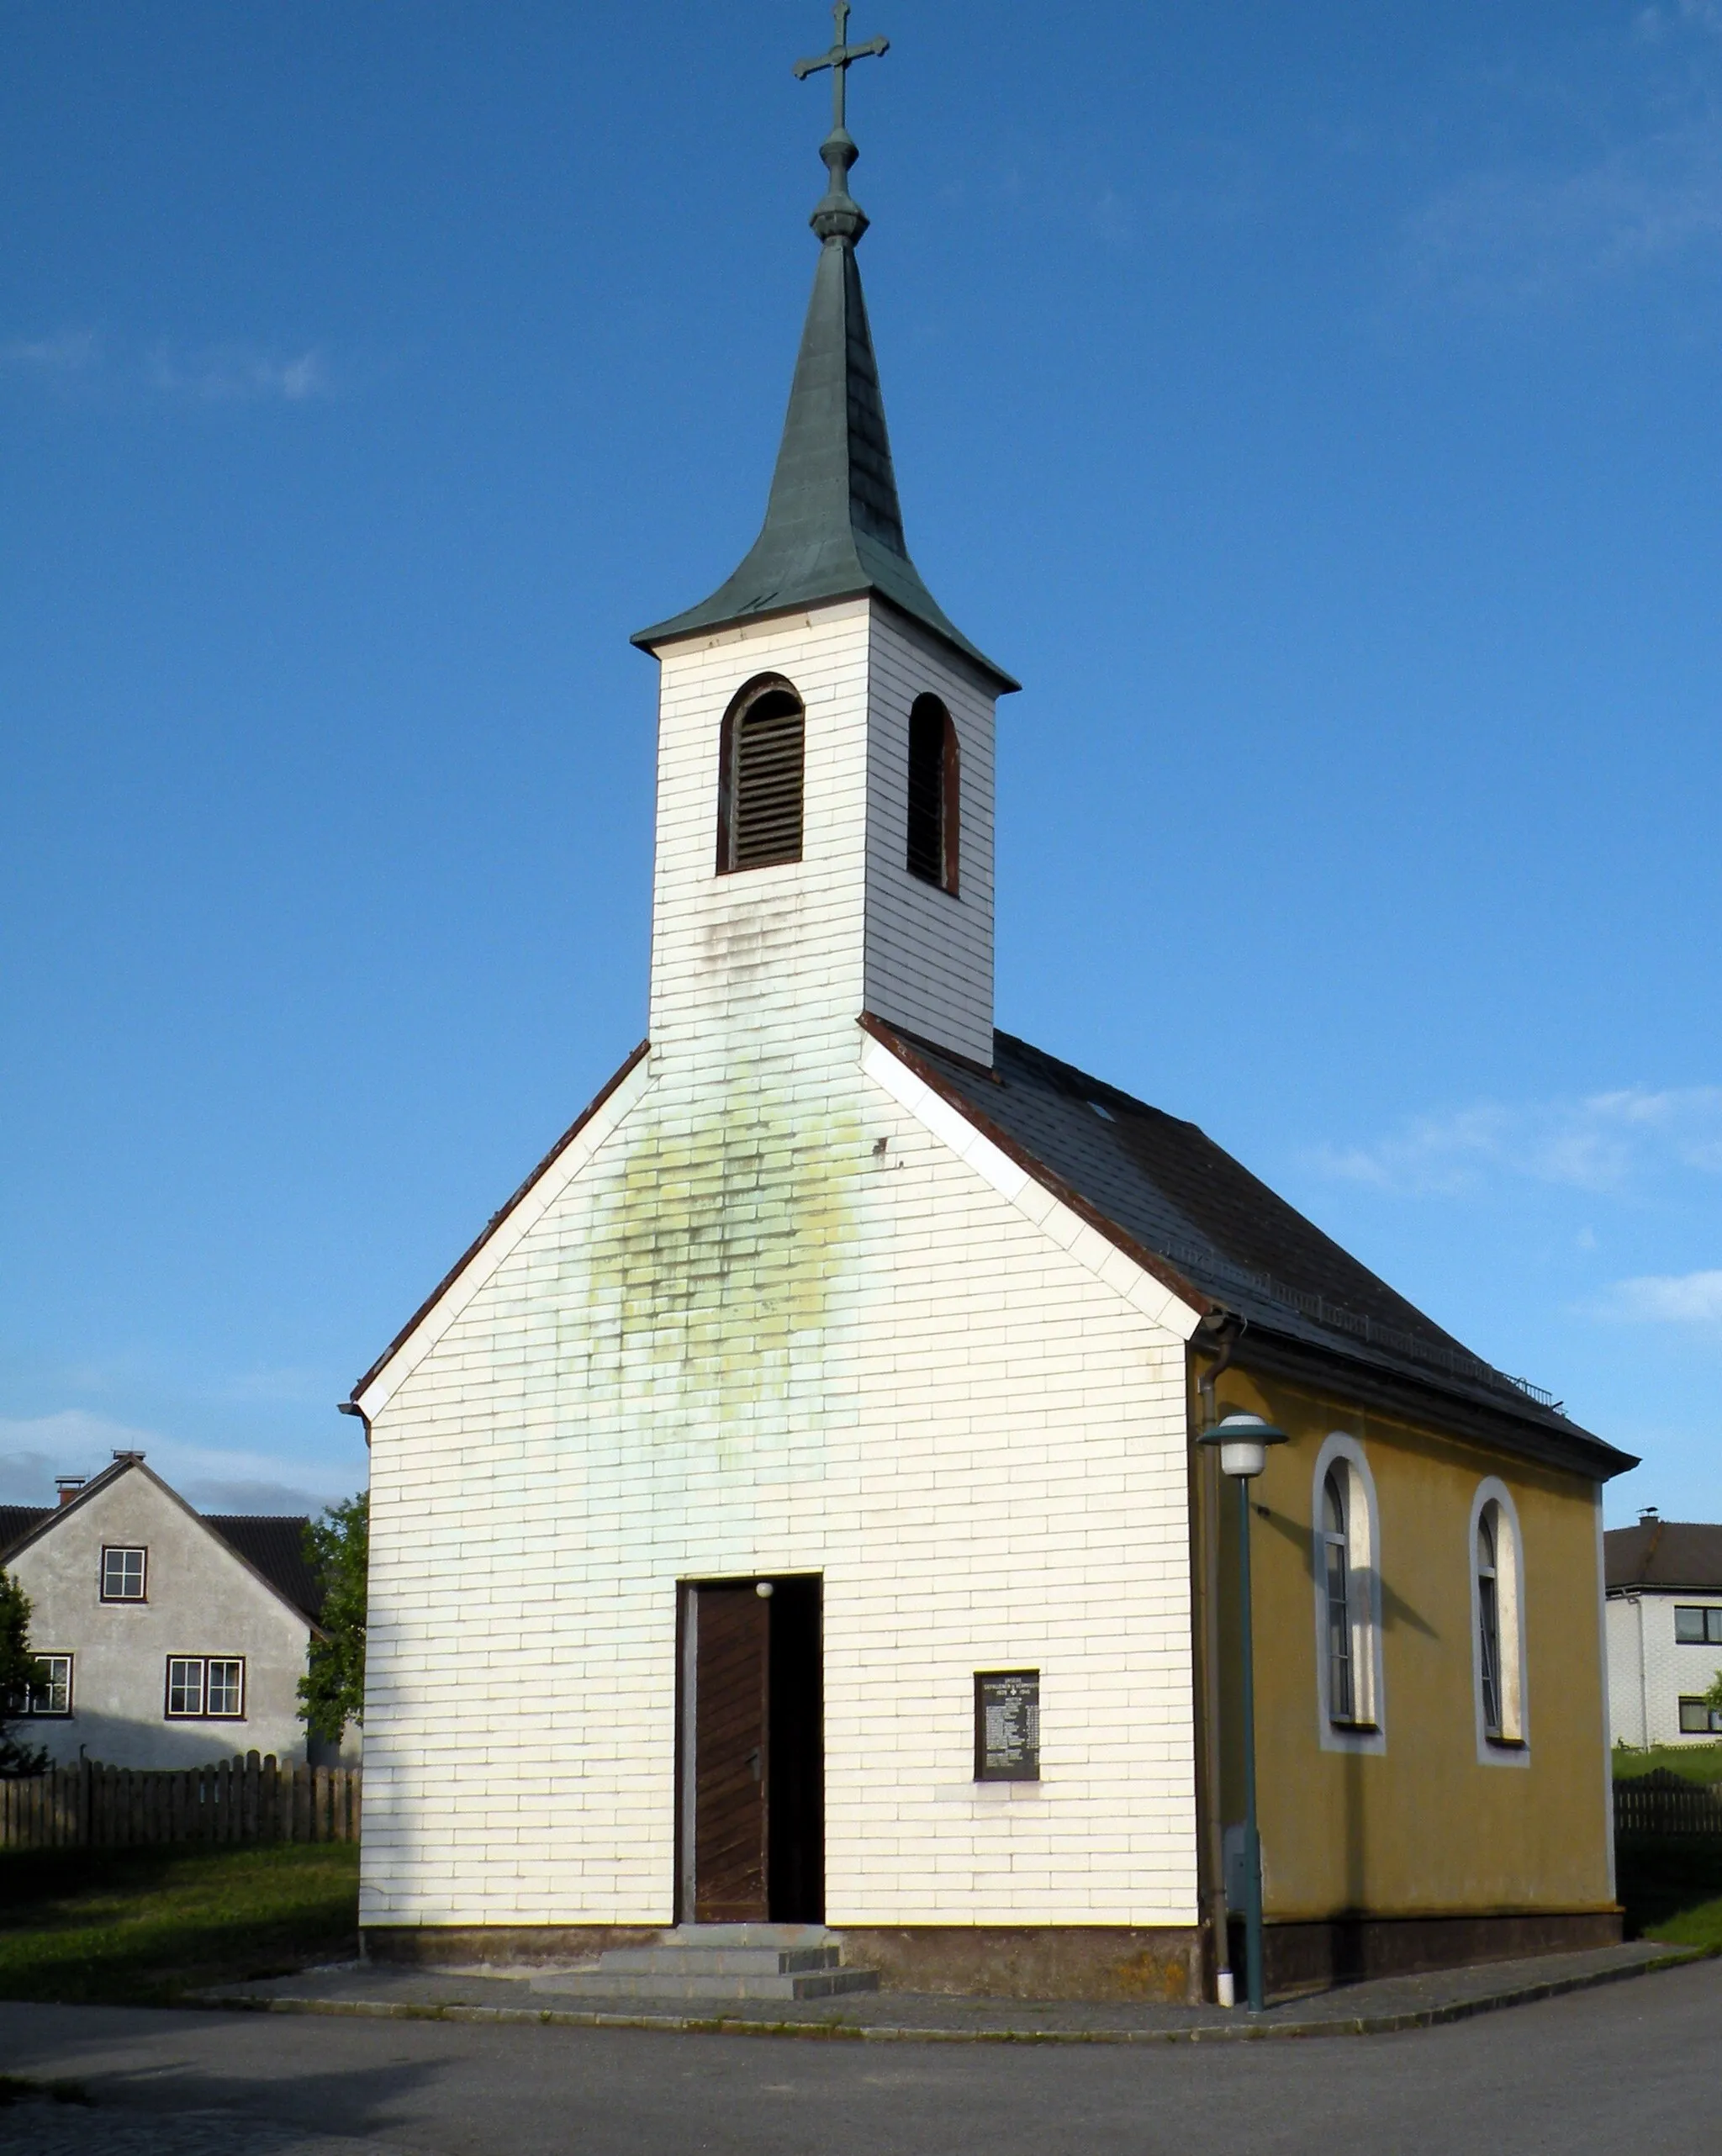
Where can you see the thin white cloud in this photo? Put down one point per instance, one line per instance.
(1517, 237)
(71, 351)
(1604, 1143)
(218, 1478)
(240, 374)
(1691, 1299)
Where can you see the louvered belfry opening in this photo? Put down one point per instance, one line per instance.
(761, 782)
(933, 793)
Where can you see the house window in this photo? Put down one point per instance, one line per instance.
(1699, 1628)
(123, 1575)
(935, 794)
(201, 1687)
(1007, 1726)
(1498, 1622)
(52, 1693)
(762, 759)
(1347, 1589)
(1342, 1696)
(1698, 1718)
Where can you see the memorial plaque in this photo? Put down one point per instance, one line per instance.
(1007, 1726)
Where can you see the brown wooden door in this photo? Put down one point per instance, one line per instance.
(732, 1767)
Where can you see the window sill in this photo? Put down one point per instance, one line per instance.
(1348, 1728)
(1504, 1743)
(203, 1718)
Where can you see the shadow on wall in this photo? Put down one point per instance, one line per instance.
(122, 1740)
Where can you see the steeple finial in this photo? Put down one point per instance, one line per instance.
(838, 215)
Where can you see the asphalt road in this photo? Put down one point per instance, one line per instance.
(1635, 2065)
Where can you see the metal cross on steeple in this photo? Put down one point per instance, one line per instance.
(839, 215)
(838, 60)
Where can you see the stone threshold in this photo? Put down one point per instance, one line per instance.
(1387, 2006)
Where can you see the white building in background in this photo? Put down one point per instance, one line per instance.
(170, 1637)
(1665, 1629)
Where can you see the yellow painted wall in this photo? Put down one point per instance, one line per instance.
(1424, 1828)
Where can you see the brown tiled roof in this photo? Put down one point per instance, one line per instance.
(16, 1521)
(275, 1544)
(1213, 1231)
(1665, 1554)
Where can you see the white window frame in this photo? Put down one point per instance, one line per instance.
(202, 1712)
(1367, 1732)
(1512, 1747)
(54, 1685)
(125, 1549)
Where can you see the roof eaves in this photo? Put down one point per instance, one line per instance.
(1418, 1393)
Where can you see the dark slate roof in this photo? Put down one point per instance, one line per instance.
(275, 1543)
(833, 528)
(1669, 1553)
(1219, 1237)
(16, 1521)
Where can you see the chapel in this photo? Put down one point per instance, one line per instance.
(789, 1512)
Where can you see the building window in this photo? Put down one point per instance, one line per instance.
(1698, 1718)
(1497, 1622)
(935, 794)
(52, 1693)
(1699, 1628)
(123, 1575)
(1007, 1726)
(1347, 1598)
(1488, 1603)
(203, 1687)
(762, 760)
(1342, 1698)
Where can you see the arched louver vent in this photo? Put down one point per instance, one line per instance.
(760, 790)
(933, 793)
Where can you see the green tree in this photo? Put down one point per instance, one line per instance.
(332, 1690)
(1713, 1698)
(19, 1671)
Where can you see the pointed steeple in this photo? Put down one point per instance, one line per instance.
(833, 529)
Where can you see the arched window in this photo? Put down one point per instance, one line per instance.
(934, 794)
(1497, 1624)
(762, 755)
(1348, 1611)
(1488, 1601)
(1342, 1692)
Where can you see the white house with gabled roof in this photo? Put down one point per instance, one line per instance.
(168, 1637)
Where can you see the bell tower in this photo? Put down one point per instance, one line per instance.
(824, 775)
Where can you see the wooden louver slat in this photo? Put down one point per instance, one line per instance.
(769, 756)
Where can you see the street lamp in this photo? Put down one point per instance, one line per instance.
(1243, 1440)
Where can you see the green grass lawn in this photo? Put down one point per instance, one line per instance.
(1698, 1763)
(145, 1926)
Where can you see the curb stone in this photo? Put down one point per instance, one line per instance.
(1237, 2031)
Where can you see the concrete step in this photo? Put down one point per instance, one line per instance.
(609, 1983)
(703, 1960)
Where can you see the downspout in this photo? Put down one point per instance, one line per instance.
(1224, 1329)
(1643, 1681)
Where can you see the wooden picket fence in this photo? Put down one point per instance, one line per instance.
(91, 1806)
(1667, 1803)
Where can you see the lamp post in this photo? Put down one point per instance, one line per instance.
(1243, 1440)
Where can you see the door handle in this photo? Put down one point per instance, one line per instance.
(753, 1763)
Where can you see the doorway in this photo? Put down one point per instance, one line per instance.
(750, 1825)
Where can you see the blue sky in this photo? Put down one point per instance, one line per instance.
(1316, 405)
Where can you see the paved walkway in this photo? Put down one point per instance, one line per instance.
(1619, 2066)
(1378, 2008)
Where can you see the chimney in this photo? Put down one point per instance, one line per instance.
(1648, 1516)
(67, 1487)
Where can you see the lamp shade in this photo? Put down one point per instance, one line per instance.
(1243, 1440)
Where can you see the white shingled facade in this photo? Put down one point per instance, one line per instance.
(778, 1308)
(1651, 1670)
